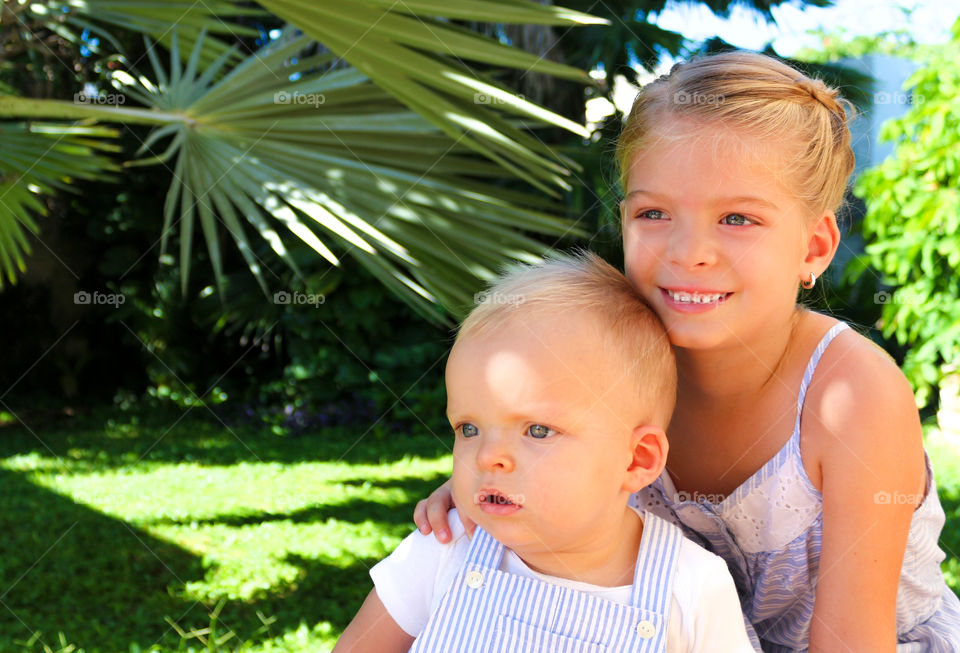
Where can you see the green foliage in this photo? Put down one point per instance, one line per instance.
(70, 152)
(378, 141)
(837, 44)
(363, 348)
(912, 226)
(234, 182)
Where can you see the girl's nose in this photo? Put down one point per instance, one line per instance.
(691, 245)
(494, 453)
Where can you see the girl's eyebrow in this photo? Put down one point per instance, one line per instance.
(748, 199)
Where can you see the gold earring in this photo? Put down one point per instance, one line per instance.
(809, 284)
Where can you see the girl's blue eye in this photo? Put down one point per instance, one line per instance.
(738, 220)
(469, 430)
(652, 214)
(539, 431)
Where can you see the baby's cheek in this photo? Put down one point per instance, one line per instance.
(462, 492)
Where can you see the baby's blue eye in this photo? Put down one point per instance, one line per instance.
(738, 220)
(652, 214)
(469, 430)
(539, 431)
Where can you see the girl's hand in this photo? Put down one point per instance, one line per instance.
(431, 514)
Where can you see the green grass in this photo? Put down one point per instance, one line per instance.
(944, 453)
(111, 529)
(126, 533)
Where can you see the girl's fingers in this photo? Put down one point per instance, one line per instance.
(420, 517)
(437, 516)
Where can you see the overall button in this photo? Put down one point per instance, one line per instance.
(474, 580)
(646, 629)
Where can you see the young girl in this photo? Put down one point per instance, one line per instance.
(795, 445)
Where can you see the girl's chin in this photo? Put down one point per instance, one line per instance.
(687, 336)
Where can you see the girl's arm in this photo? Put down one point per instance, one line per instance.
(431, 514)
(866, 429)
(373, 629)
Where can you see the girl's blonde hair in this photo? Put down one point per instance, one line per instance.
(631, 333)
(767, 99)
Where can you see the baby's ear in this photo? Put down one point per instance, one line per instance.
(648, 446)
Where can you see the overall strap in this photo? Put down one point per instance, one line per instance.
(656, 564)
(812, 367)
(484, 550)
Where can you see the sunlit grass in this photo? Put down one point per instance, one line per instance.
(177, 521)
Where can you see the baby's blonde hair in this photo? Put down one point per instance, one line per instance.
(765, 98)
(587, 285)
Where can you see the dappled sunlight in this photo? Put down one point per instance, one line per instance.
(287, 538)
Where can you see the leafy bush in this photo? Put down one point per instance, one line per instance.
(356, 356)
(912, 224)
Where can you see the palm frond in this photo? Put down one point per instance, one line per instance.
(385, 148)
(413, 52)
(36, 160)
(159, 20)
(332, 161)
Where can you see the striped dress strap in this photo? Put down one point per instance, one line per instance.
(656, 563)
(812, 367)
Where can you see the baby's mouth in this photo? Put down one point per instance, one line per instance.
(495, 498)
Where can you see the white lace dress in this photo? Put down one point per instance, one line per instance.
(769, 532)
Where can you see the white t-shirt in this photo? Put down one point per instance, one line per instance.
(705, 611)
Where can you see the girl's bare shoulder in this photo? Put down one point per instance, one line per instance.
(852, 362)
(859, 406)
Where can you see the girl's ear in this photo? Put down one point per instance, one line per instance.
(648, 446)
(823, 238)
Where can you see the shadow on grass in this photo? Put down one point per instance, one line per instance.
(67, 568)
(105, 584)
(353, 511)
(330, 591)
(196, 436)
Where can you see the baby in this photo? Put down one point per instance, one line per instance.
(560, 386)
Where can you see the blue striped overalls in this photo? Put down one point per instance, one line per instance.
(491, 611)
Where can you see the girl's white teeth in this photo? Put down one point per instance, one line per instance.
(695, 298)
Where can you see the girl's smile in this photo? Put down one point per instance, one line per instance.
(692, 300)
